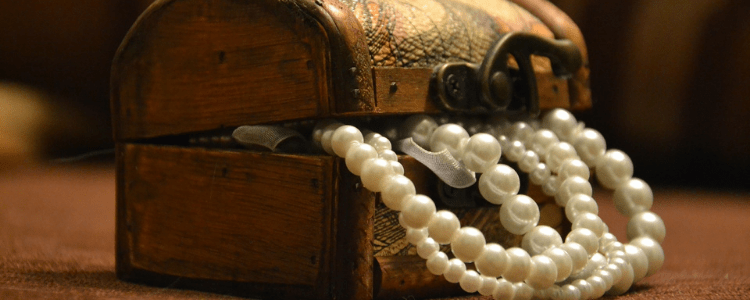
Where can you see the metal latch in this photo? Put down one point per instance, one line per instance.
(492, 86)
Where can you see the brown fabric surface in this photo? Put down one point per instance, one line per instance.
(57, 241)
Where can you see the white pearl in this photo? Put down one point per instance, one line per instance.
(514, 151)
(397, 167)
(540, 174)
(633, 197)
(521, 131)
(493, 261)
(326, 138)
(616, 254)
(437, 264)
(561, 122)
(471, 281)
(590, 146)
(540, 239)
(380, 143)
(579, 204)
(563, 262)
(344, 137)
(451, 137)
(529, 161)
(585, 238)
(551, 185)
(543, 272)
(596, 262)
(646, 224)
(578, 255)
(591, 222)
(614, 169)
(503, 290)
(499, 183)
(418, 211)
(624, 283)
(419, 128)
(519, 214)
(569, 292)
(481, 152)
(557, 154)
(541, 140)
(415, 236)
(444, 226)
(522, 291)
(488, 285)
(374, 173)
(388, 155)
(609, 279)
(427, 247)
(584, 287)
(456, 270)
(357, 155)
(653, 251)
(519, 265)
(468, 244)
(396, 190)
(610, 247)
(573, 167)
(638, 260)
(319, 129)
(615, 270)
(369, 136)
(605, 240)
(598, 286)
(572, 186)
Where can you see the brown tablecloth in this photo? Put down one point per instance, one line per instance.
(57, 240)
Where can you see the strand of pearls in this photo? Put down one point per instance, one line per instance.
(589, 263)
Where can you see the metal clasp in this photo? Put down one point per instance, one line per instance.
(494, 87)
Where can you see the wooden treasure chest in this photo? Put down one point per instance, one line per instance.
(197, 209)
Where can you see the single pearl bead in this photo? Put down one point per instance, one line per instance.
(380, 143)
(563, 262)
(615, 270)
(611, 247)
(468, 244)
(427, 247)
(493, 261)
(605, 240)
(437, 264)
(519, 265)
(616, 254)
(653, 251)
(319, 129)
(456, 270)
(633, 197)
(519, 214)
(551, 185)
(522, 291)
(624, 282)
(451, 137)
(541, 140)
(528, 161)
(548, 293)
(614, 169)
(570, 187)
(418, 210)
(488, 285)
(596, 262)
(499, 183)
(647, 224)
(585, 238)
(561, 122)
(584, 287)
(471, 281)
(444, 226)
(591, 222)
(374, 173)
(388, 155)
(481, 152)
(397, 167)
(503, 290)
(578, 255)
(326, 138)
(540, 174)
(539, 239)
(573, 167)
(419, 128)
(609, 279)
(357, 155)
(638, 260)
(557, 154)
(543, 272)
(568, 292)
(590, 146)
(344, 137)
(521, 131)
(514, 151)
(579, 204)
(416, 236)
(396, 190)
(369, 136)
(598, 286)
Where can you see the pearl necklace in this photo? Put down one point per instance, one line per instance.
(589, 263)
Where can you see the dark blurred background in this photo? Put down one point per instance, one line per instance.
(670, 79)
